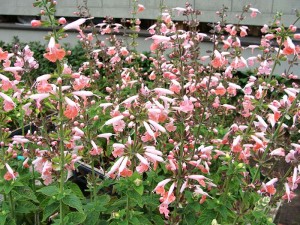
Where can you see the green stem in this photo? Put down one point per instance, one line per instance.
(61, 150)
(12, 206)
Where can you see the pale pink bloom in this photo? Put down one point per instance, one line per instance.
(295, 177)
(47, 173)
(220, 90)
(290, 157)
(254, 12)
(265, 28)
(123, 165)
(95, 150)
(130, 99)
(243, 32)
(119, 125)
(166, 18)
(264, 68)
(124, 51)
(259, 92)
(19, 139)
(289, 47)
(186, 105)
(287, 191)
(200, 191)
(10, 175)
(228, 107)
(296, 146)
(149, 130)
(105, 135)
(118, 149)
(159, 189)
(26, 108)
(154, 157)
(157, 126)
(83, 94)
(163, 209)
(170, 126)
(179, 10)
(141, 8)
(8, 102)
(39, 98)
(218, 60)
(142, 159)
(297, 36)
(261, 124)
(278, 152)
(151, 29)
(114, 119)
(115, 167)
(78, 132)
(159, 39)
(111, 51)
(151, 149)
(75, 25)
(199, 178)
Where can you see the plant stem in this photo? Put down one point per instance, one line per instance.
(61, 150)
(12, 205)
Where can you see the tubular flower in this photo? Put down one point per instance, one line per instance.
(72, 109)
(54, 52)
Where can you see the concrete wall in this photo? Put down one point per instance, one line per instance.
(121, 8)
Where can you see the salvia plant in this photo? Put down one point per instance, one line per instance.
(170, 137)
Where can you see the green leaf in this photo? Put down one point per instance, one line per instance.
(76, 190)
(50, 210)
(26, 207)
(76, 217)
(3, 219)
(158, 220)
(92, 217)
(73, 201)
(139, 189)
(49, 190)
(206, 217)
(26, 193)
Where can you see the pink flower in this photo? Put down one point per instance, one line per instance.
(186, 105)
(95, 150)
(141, 8)
(254, 12)
(218, 60)
(8, 102)
(289, 47)
(36, 23)
(72, 109)
(75, 25)
(118, 149)
(10, 174)
(62, 20)
(54, 52)
(3, 55)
